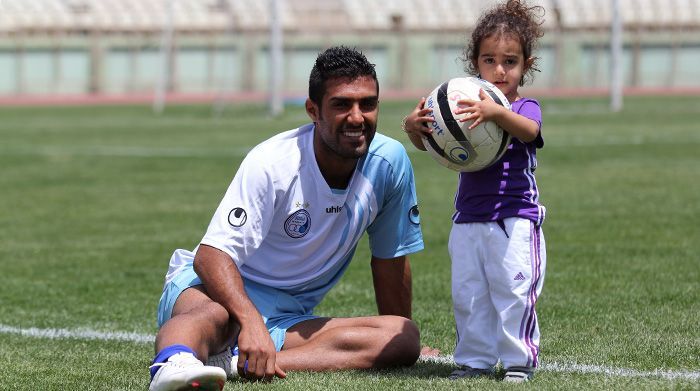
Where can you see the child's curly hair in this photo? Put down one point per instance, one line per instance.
(513, 18)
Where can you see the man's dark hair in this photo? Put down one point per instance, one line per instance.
(338, 62)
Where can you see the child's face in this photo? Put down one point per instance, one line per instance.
(501, 62)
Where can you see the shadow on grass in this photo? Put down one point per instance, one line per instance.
(425, 370)
(421, 369)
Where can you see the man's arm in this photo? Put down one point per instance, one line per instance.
(392, 285)
(392, 288)
(224, 285)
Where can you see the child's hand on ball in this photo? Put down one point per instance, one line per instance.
(417, 121)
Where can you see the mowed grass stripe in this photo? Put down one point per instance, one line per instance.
(121, 336)
(124, 151)
(241, 151)
(595, 369)
(96, 199)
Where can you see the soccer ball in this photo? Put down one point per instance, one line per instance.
(452, 143)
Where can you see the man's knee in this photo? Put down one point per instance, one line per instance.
(194, 307)
(402, 346)
(194, 301)
(198, 322)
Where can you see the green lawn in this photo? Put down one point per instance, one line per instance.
(95, 199)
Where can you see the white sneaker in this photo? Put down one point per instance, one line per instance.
(518, 374)
(226, 360)
(184, 372)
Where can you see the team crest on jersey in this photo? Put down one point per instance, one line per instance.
(297, 224)
(237, 217)
(414, 215)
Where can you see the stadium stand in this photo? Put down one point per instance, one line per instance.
(313, 15)
(114, 46)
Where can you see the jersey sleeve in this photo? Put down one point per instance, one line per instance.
(530, 108)
(244, 216)
(396, 229)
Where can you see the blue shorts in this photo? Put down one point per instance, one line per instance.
(279, 309)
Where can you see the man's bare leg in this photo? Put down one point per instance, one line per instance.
(350, 343)
(198, 327)
(199, 323)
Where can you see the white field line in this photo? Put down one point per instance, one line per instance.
(596, 370)
(86, 334)
(83, 334)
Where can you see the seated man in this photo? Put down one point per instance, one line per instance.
(282, 237)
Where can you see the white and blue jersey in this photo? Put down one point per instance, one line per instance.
(285, 228)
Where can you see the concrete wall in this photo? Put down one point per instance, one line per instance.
(236, 63)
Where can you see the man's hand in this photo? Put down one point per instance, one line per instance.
(256, 353)
(223, 283)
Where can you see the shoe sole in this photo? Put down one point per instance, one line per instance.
(203, 385)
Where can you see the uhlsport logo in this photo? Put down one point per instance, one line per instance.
(414, 215)
(237, 217)
(436, 126)
(297, 224)
(459, 154)
(334, 209)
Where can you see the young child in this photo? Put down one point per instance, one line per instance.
(496, 243)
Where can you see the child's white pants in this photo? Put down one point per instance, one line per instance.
(497, 276)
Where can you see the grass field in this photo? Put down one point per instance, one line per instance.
(95, 199)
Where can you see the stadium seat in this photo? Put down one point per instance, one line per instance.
(314, 15)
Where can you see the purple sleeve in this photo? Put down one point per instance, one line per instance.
(530, 108)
